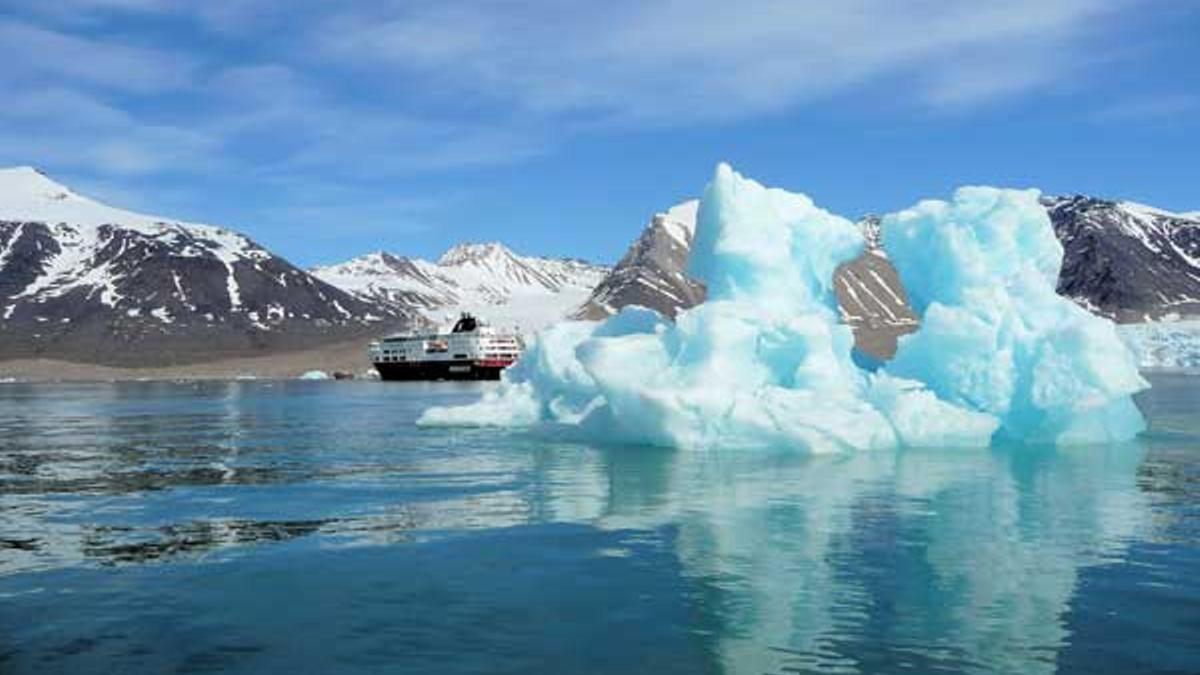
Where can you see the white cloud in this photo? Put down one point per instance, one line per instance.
(392, 88)
(409, 85)
(700, 60)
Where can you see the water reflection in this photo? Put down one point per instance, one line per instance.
(926, 560)
(935, 561)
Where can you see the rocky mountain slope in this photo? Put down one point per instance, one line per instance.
(871, 298)
(508, 289)
(82, 281)
(651, 273)
(1127, 261)
(1122, 260)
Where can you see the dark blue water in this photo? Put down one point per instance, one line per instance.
(311, 528)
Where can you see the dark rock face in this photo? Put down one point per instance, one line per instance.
(872, 299)
(124, 296)
(25, 247)
(1127, 262)
(653, 272)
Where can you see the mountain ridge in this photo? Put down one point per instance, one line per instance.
(488, 278)
(84, 281)
(81, 280)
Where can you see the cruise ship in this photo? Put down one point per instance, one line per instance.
(472, 350)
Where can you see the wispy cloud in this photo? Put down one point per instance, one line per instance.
(368, 93)
(410, 85)
(684, 62)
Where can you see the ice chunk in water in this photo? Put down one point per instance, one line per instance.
(981, 272)
(765, 362)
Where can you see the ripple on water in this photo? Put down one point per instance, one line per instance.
(253, 528)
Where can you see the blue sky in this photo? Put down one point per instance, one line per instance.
(326, 130)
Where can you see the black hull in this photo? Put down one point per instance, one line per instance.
(448, 370)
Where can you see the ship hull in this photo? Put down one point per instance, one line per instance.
(439, 370)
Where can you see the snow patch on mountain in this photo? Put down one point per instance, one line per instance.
(680, 222)
(28, 195)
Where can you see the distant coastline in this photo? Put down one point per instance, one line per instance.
(347, 357)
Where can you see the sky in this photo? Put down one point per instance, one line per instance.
(327, 130)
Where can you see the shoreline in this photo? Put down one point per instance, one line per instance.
(347, 357)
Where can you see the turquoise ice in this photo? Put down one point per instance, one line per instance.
(764, 362)
(981, 271)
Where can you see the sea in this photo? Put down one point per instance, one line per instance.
(312, 527)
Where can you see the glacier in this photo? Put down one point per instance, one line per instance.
(765, 362)
(1164, 345)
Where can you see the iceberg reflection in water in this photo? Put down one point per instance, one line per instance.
(923, 559)
(268, 527)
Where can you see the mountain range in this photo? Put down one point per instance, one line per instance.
(521, 292)
(85, 282)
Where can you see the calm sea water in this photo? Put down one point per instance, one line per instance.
(299, 527)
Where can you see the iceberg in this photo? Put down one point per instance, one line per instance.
(765, 362)
(995, 336)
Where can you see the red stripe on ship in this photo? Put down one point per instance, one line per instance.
(494, 363)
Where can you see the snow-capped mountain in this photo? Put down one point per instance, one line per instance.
(83, 281)
(652, 272)
(1123, 260)
(490, 280)
(80, 280)
(1127, 261)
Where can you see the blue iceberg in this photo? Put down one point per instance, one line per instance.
(764, 362)
(981, 271)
